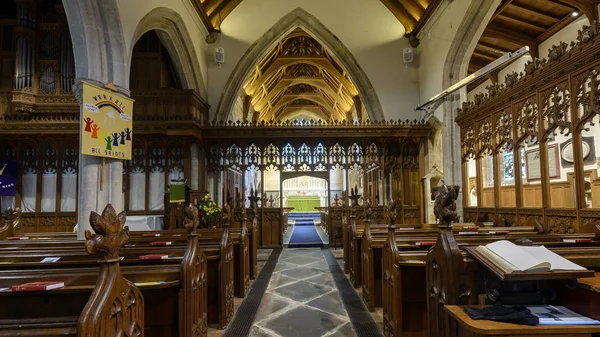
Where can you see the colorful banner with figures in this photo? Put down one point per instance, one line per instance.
(106, 125)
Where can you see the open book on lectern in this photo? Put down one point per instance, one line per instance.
(513, 258)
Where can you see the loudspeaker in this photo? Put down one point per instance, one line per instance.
(408, 55)
(219, 55)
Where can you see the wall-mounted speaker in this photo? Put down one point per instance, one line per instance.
(408, 56)
(219, 55)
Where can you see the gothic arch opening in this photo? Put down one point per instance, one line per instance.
(318, 79)
(173, 35)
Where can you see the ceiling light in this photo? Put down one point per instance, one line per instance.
(575, 13)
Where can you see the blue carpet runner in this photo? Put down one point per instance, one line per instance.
(305, 236)
(304, 218)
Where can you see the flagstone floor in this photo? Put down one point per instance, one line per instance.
(302, 299)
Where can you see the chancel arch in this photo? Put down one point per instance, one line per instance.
(312, 51)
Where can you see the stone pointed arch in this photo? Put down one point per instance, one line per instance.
(298, 18)
(174, 36)
(98, 42)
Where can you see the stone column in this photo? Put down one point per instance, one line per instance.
(451, 148)
(94, 192)
(194, 169)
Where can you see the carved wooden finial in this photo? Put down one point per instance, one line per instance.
(391, 211)
(368, 210)
(110, 233)
(12, 216)
(191, 220)
(226, 214)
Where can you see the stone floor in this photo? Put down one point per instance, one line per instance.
(302, 299)
(262, 256)
(301, 290)
(378, 314)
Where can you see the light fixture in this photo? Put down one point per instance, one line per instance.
(575, 13)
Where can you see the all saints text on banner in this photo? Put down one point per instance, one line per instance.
(107, 123)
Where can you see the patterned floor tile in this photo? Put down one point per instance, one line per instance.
(301, 291)
(302, 322)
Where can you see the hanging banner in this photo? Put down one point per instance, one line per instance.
(106, 125)
(8, 178)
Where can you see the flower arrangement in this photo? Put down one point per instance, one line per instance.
(207, 209)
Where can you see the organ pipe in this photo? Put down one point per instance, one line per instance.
(24, 50)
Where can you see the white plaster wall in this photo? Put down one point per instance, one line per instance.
(131, 13)
(367, 28)
(567, 34)
(434, 48)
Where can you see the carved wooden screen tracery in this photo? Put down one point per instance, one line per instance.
(502, 142)
(556, 107)
(337, 156)
(359, 163)
(320, 162)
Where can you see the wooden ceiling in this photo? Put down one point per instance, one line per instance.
(412, 14)
(299, 77)
(519, 23)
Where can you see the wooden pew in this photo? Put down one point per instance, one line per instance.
(404, 277)
(177, 306)
(453, 277)
(354, 233)
(214, 244)
(64, 311)
(244, 249)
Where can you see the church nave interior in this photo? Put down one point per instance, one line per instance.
(277, 168)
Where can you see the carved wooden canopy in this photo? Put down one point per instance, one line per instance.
(298, 78)
(519, 23)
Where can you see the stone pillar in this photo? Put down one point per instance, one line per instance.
(96, 191)
(451, 148)
(194, 169)
(202, 174)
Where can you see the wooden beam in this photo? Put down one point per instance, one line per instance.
(494, 49)
(557, 27)
(484, 56)
(283, 62)
(562, 5)
(224, 11)
(478, 62)
(514, 37)
(284, 84)
(401, 14)
(203, 16)
(414, 8)
(509, 35)
(211, 5)
(521, 22)
(431, 8)
(534, 12)
(246, 107)
(500, 9)
(587, 7)
(293, 112)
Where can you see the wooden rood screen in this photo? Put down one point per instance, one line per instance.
(530, 146)
(382, 160)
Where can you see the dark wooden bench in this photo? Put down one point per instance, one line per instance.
(114, 306)
(183, 287)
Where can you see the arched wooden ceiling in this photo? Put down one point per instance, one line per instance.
(299, 74)
(518, 23)
(412, 14)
